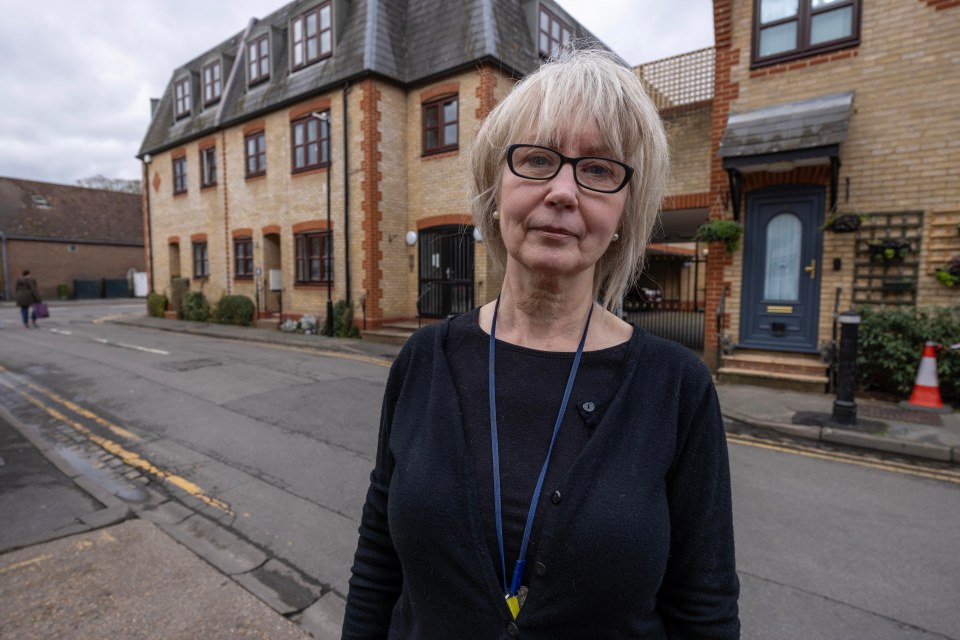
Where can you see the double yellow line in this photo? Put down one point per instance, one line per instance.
(128, 457)
(943, 475)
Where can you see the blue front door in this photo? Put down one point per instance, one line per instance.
(780, 305)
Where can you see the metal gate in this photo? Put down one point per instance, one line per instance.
(446, 271)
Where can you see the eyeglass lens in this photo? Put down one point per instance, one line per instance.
(542, 163)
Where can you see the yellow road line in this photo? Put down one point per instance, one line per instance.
(129, 457)
(944, 476)
(25, 563)
(113, 428)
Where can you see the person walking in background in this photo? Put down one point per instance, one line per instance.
(545, 470)
(26, 295)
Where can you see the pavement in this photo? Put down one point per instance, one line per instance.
(90, 548)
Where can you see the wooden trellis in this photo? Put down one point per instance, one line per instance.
(680, 82)
(880, 279)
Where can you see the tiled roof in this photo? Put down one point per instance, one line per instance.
(46, 211)
(405, 41)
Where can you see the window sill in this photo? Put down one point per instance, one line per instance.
(208, 187)
(822, 54)
(256, 176)
(311, 285)
(201, 278)
(449, 152)
(308, 170)
(179, 194)
(243, 278)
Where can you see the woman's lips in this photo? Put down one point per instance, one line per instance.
(554, 232)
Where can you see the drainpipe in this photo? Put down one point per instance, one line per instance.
(146, 186)
(6, 269)
(346, 192)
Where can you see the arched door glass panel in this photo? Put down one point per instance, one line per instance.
(782, 279)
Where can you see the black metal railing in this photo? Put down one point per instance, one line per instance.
(671, 319)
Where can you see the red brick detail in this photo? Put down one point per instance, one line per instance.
(206, 143)
(726, 92)
(156, 181)
(309, 225)
(450, 218)
(198, 237)
(371, 200)
(486, 99)
(685, 201)
(271, 229)
(246, 232)
(178, 153)
(793, 65)
(147, 245)
(940, 5)
(254, 127)
(227, 246)
(306, 108)
(445, 89)
(173, 240)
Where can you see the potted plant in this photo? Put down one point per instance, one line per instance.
(888, 250)
(843, 222)
(725, 231)
(949, 275)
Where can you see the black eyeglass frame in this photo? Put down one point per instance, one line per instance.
(573, 163)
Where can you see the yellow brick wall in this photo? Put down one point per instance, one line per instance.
(689, 137)
(903, 148)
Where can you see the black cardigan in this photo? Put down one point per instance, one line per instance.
(639, 546)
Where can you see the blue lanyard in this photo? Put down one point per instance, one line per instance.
(497, 503)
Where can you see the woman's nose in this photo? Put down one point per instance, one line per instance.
(563, 187)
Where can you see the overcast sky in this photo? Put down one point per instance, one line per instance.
(76, 76)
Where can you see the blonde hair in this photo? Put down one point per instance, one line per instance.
(578, 88)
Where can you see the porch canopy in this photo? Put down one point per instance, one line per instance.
(679, 225)
(782, 137)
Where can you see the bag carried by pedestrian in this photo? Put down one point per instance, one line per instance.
(40, 310)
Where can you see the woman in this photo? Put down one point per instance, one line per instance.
(25, 294)
(597, 503)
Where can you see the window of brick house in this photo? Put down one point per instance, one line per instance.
(208, 167)
(258, 60)
(311, 142)
(790, 29)
(243, 257)
(201, 261)
(311, 36)
(256, 154)
(314, 257)
(211, 83)
(181, 93)
(180, 175)
(440, 125)
(553, 32)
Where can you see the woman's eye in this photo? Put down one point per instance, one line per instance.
(597, 170)
(538, 160)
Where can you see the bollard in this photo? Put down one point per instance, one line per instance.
(845, 406)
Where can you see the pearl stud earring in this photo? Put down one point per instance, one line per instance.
(496, 215)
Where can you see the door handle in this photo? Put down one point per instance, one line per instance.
(812, 269)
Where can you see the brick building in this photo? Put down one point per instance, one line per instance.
(823, 108)
(65, 233)
(359, 109)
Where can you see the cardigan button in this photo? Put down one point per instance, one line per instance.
(555, 498)
(589, 406)
(540, 569)
(512, 630)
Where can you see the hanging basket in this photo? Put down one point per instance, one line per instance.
(843, 223)
(949, 275)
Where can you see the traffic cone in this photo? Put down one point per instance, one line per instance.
(926, 389)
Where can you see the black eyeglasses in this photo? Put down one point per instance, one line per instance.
(542, 163)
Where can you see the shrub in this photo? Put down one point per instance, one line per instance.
(343, 326)
(234, 310)
(196, 307)
(178, 297)
(891, 344)
(63, 292)
(156, 304)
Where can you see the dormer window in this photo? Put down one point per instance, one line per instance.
(211, 83)
(258, 60)
(312, 36)
(181, 92)
(554, 33)
(40, 202)
(790, 29)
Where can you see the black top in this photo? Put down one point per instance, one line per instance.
(639, 543)
(530, 385)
